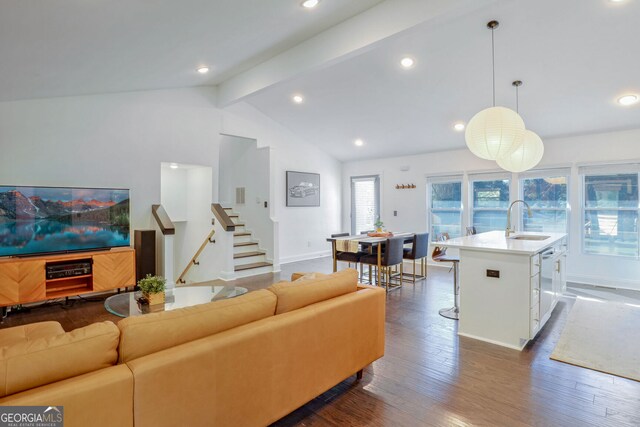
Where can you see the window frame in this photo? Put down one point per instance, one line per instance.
(493, 176)
(448, 179)
(602, 170)
(541, 174)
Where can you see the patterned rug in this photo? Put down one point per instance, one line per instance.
(602, 335)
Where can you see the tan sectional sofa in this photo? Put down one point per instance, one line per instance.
(246, 361)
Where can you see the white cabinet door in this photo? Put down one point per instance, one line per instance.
(547, 292)
(559, 277)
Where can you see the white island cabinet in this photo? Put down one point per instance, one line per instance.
(508, 285)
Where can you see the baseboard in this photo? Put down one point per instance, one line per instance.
(305, 257)
(608, 282)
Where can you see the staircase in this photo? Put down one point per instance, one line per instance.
(248, 258)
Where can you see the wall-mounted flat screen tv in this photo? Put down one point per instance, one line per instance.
(38, 220)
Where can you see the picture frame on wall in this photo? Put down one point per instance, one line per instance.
(303, 189)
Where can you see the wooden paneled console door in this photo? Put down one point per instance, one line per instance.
(23, 280)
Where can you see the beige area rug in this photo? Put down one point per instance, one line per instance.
(604, 336)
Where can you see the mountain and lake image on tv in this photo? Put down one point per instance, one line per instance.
(37, 220)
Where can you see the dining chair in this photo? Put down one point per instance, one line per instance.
(471, 231)
(419, 250)
(440, 255)
(348, 257)
(391, 257)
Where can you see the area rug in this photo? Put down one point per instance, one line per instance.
(604, 336)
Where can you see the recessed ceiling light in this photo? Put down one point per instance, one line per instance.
(616, 1)
(310, 4)
(628, 100)
(459, 126)
(407, 62)
(173, 166)
(202, 70)
(359, 142)
(297, 99)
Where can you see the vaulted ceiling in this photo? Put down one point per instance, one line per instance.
(576, 57)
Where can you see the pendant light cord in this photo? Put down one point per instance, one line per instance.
(493, 62)
(517, 100)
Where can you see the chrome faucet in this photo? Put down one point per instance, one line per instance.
(508, 231)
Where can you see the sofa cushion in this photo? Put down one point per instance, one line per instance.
(142, 335)
(301, 293)
(29, 332)
(32, 363)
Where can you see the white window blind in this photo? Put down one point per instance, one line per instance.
(365, 203)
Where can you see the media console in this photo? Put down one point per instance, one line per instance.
(39, 278)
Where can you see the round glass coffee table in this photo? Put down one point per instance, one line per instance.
(126, 304)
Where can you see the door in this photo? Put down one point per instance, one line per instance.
(365, 202)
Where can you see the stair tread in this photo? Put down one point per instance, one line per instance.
(245, 244)
(249, 254)
(242, 233)
(239, 225)
(252, 265)
(233, 216)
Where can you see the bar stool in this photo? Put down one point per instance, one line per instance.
(418, 251)
(391, 257)
(440, 255)
(471, 231)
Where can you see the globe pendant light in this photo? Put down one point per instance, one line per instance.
(528, 154)
(497, 131)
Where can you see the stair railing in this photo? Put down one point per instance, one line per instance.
(194, 259)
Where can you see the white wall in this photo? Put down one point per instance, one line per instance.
(242, 164)
(115, 140)
(412, 204)
(120, 140)
(173, 194)
(302, 231)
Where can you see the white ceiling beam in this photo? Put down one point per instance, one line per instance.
(349, 38)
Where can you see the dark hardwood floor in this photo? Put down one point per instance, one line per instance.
(431, 377)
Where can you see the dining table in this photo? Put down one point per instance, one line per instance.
(366, 242)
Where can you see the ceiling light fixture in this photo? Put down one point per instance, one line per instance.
(173, 166)
(310, 4)
(459, 126)
(359, 142)
(407, 62)
(628, 100)
(530, 151)
(497, 131)
(203, 70)
(297, 99)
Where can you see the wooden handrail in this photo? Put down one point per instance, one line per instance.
(223, 217)
(163, 220)
(194, 259)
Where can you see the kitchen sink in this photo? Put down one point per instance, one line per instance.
(529, 237)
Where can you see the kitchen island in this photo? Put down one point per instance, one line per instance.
(508, 285)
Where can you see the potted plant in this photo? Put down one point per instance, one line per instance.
(152, 288)
(379, 224)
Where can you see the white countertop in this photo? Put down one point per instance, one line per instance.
(495, 241)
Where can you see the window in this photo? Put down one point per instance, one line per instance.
(445, 206)
(365, 203)
(546, 194)
(490, 202)
(610, 211)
